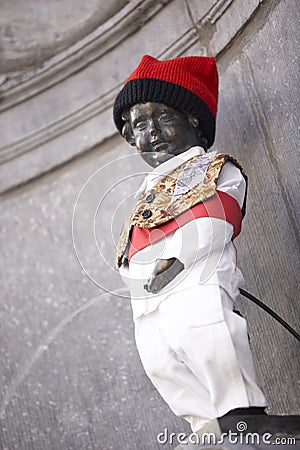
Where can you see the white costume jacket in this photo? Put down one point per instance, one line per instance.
(203, 245)
(192, 345)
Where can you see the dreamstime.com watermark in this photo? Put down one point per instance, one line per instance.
(240, 436)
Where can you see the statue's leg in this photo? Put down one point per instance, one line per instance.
(196, 352)
(212, 341)
(175, 382)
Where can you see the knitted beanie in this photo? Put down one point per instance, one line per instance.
(188, 84)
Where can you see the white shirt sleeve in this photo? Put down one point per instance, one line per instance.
(232, 182)
(199, 237)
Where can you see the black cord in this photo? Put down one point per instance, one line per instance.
(271, 312)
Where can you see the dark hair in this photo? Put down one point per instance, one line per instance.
(127, 131)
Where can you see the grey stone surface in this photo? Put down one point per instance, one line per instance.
(89, 396)
(70, 375)
(31, 32)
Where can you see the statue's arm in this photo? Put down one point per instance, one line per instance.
(165, 270)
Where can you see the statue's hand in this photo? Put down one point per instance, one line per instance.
(165, 270)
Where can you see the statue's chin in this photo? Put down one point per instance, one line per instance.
(154, 159)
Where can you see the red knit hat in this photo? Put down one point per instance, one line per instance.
(188, 84)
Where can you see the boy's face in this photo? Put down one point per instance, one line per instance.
(160, 132)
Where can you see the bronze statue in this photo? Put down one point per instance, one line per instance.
(176, 250)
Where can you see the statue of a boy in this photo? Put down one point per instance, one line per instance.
(176, 251)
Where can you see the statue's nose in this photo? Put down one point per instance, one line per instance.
(153, 129)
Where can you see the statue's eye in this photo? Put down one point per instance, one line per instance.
(141, 125)
(165, 116)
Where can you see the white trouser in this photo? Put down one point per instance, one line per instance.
(195, 350)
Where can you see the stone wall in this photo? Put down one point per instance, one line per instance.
(70, 374)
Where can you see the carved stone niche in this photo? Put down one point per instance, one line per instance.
(69, 67)
(33, 31)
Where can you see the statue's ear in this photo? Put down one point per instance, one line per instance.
(195, 124)
(127, 131)
(193, 121)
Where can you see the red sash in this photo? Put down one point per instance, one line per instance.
(220, 206)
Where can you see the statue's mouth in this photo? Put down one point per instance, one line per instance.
(159, 146)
